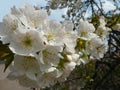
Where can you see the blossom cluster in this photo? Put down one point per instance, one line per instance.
(46, 51)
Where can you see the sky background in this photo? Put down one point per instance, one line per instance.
(5, 6)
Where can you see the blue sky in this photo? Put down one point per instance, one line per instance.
(5, 6)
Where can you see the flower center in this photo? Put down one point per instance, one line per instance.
(50, 36)
(27, 42)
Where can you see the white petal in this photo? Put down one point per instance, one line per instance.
(50, 55)
(68, 25)
(26, 82)
(27, 43)
(2, 28)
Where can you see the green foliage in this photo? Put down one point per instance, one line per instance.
(113, 20)
(6, 55)
(95, 21)
(8, 60)
(81, 43)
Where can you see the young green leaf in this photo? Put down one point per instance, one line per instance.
(8, 61)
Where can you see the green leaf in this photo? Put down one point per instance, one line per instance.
(6, 55)
(61, 64)
(3, 56)
(4, 47)
(4, 51)
(8, 61)
(81, 43)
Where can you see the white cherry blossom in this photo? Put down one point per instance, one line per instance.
(102, 30)
(53, 32)
(69, 37)
(47, 51)
(35, 18)
(84, 28)
(26, 43)
(24, 65)
(8, 27)
(49, 79)
(49, 57)
(26, 82)
(96, 47)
